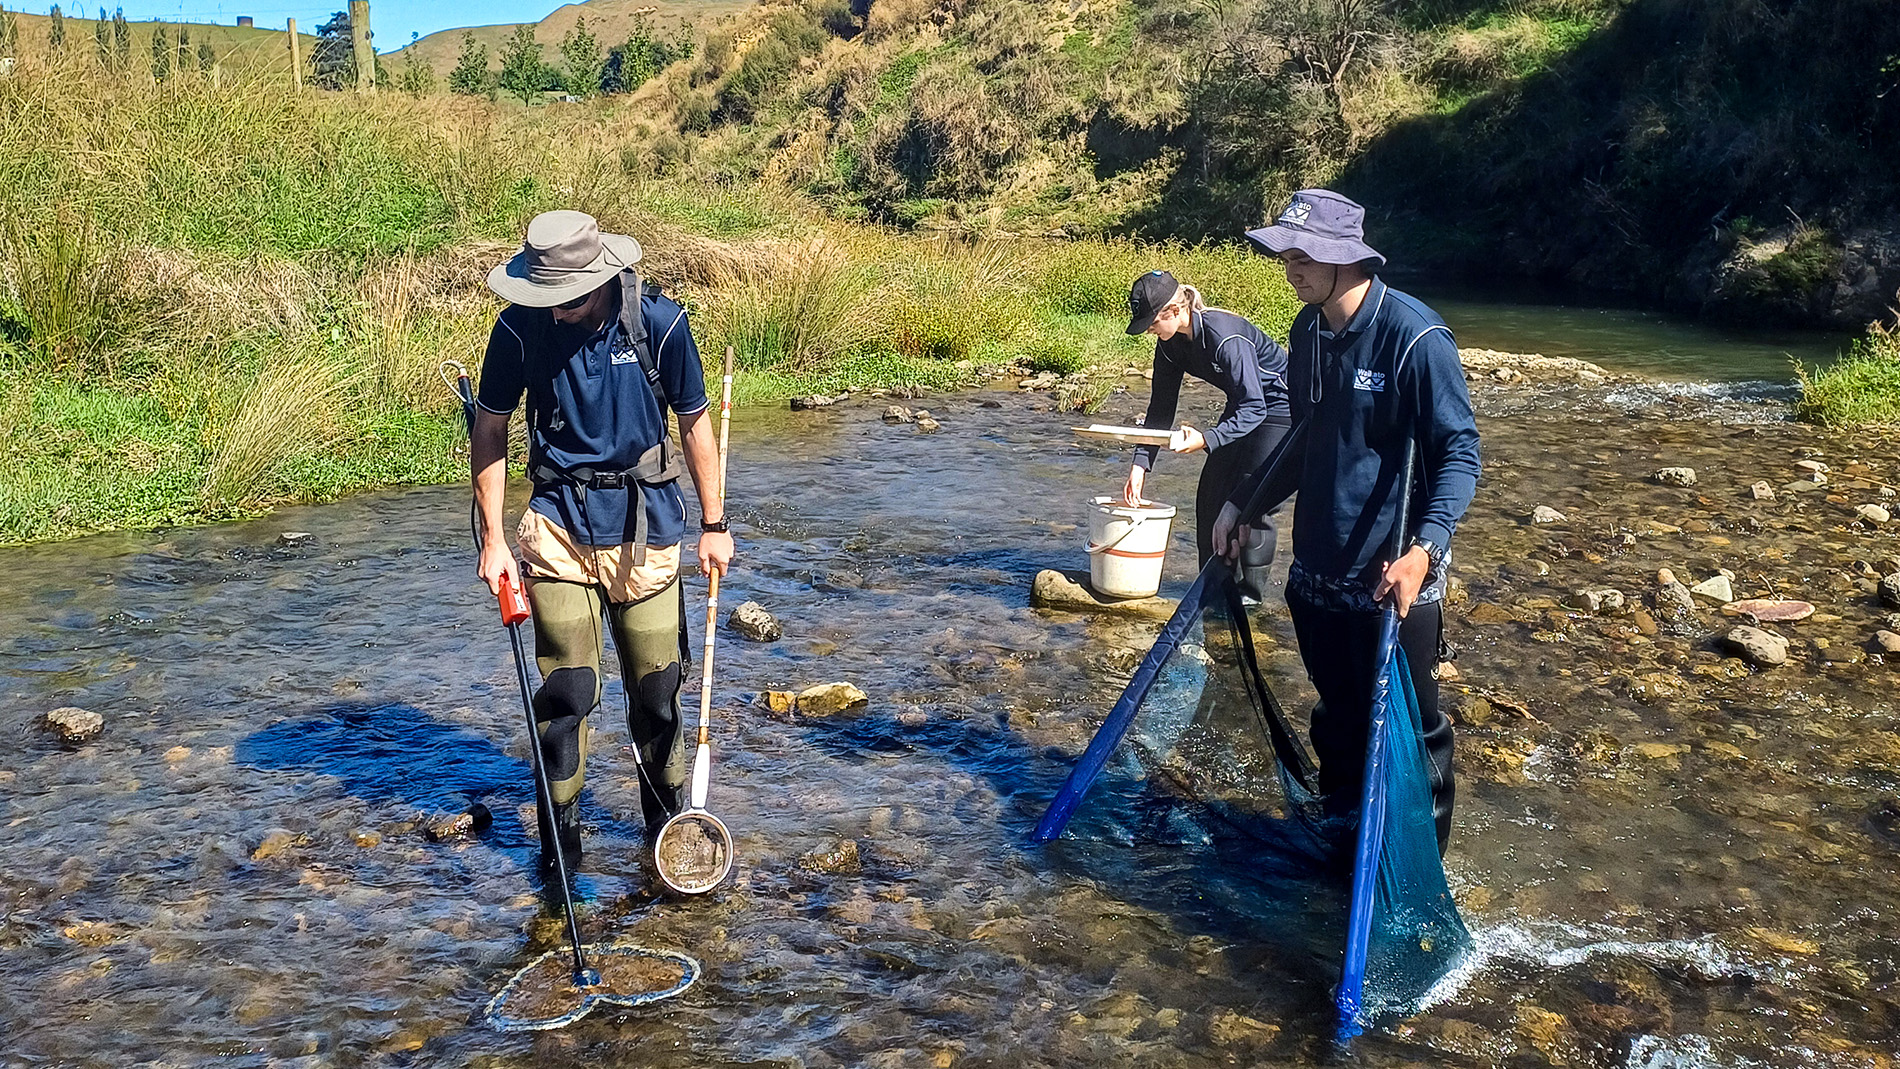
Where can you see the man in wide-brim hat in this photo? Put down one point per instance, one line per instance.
(601, 359)
(1373, 373)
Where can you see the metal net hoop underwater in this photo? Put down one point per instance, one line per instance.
(542, 995)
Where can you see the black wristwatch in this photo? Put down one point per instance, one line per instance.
(1433, 551)
(719, 527)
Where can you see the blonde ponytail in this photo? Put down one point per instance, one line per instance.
(1192, 298)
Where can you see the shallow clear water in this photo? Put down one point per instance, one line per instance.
(1633, 341)
(232, 873)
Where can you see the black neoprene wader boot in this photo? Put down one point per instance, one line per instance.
(1226, 468)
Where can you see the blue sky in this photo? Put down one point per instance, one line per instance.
(392, 21)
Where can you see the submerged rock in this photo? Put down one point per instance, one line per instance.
(1769, 610)
(1872, 514)
(1716, 588)
(74, 725)
(841, 859)
(1763, 649)
(898, 414)
(1546, 514)
(1889, 590)
(751, 620)
(1675, 476)
(806, 404)
(1762, 491)
(296, 539)
(927, 425)
(1070, 592)
(1887, 642)
(1597, 599)
(442, 827)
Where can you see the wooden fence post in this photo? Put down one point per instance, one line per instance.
(296, 58)
(365, 55)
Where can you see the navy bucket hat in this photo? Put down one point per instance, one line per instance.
(1322, 224)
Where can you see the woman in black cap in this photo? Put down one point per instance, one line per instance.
(1219, 347)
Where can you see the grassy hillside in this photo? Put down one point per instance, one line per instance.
(250, 46)
(609, 20)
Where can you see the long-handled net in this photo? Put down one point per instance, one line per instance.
(1198, 723)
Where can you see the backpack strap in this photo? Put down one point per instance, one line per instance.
(633, 329)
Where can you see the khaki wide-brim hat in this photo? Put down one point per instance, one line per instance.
(565, 256)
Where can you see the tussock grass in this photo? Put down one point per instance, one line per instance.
(808, 305)
(290, 408)
(1861, 387)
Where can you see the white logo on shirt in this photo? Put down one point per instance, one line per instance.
(1364, 379)
(625, 356)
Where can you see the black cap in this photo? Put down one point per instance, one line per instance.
(1147, 297)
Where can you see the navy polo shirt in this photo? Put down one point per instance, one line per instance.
(1226, 350)
(1392, 376)
(590, 405)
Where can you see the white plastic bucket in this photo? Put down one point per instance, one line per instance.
(1127, 546)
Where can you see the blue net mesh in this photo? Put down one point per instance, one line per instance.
(1198, 723)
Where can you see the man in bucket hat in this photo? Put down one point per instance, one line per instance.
(601, 358)
(1373, 374)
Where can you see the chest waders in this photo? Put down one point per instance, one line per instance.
(650, 636)
(621, 974)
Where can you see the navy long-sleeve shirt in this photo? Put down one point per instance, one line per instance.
(1392, 376)
(1233, 354)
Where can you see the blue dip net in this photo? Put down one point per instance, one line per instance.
(1198, 723)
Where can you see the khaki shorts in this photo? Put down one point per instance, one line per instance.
(548, 551)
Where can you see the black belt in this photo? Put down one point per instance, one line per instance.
(657, 467)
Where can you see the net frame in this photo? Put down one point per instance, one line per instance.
(690, 970)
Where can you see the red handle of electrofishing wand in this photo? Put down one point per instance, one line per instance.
(514, 603)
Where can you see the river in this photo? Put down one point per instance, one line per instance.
(1667, 860)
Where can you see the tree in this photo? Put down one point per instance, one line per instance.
(122, 38)
(630, 65)
(333, 58)
(161, 55)
(207, 56)
(522, 71)
(418, 78)
(580, 51)
(102, 39)
(56, 31)
(470, 75)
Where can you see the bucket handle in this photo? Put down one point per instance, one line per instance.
(1104, 547)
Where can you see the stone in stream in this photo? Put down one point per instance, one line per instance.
(1546, 514)
(74, 725)
(441, 827)
(829, 699)
(1889, 590)
(1872, 514)
(898, 414)
(1763, 649)
(1887, 642)
(927, 425)
(1070, 592)
(1716, 588)
(1675, 476)
(1769, 610)
(1673, 603)
(752, 621)
(1812, 467)
(296, 539)
(806, 404)
(1762, 491)
(841, 859)
(1597, 599)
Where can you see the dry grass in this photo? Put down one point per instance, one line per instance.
(808, 304)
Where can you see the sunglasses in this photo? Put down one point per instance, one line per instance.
(576, 303)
